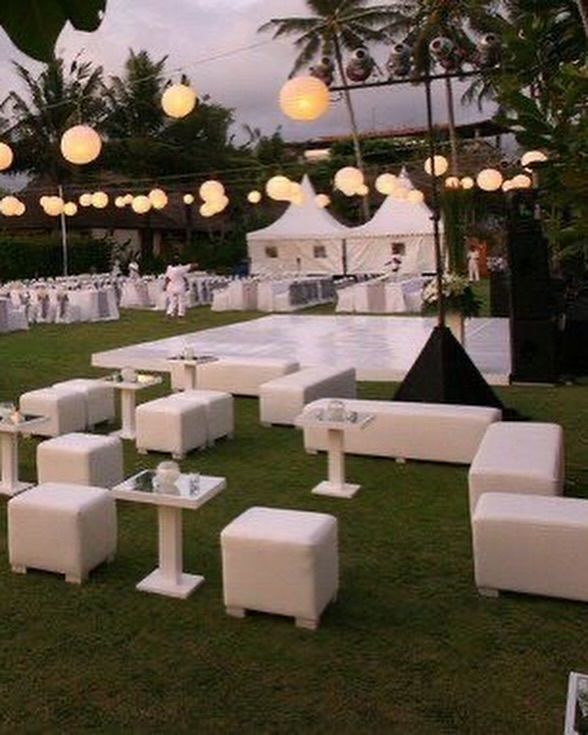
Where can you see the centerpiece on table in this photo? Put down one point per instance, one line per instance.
(459, 300)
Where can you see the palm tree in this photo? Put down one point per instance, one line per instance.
(334, 27)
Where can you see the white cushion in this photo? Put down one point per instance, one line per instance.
(281, 561)
(518, 457)
(82, 459)
(437, 432)
(99, 398)
(531, 543)
(65, 409)
(68, 529)
(170, 425)
(283, 398)
(242, 376)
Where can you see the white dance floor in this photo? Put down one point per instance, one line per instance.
(379, 347)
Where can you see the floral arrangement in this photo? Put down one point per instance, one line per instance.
(457, 295)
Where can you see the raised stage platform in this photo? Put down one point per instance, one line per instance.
(381, 348)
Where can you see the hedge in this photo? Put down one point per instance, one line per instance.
(36, 256)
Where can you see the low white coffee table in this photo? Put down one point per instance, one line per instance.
(9, 431)
(191, 368)
(128, 402)
(335, 486)
(168, 578)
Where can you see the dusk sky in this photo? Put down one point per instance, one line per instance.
(193, 32)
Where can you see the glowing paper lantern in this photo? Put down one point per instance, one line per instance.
(21, 209)
(211, 190)
(53, 206)
(322, 200)
(452, 182)
(533, 157)
(129, 198)
(85, 200)
(120, 202)
(304, 98)
(254, 197)
(81, 144)
(158, 198)
(522, 181)
(6, 156)
(467, 182)
(415, 196)
(436, 166)
(99, 199)
(348, 179)
(9, 206)
(507, 185)
(141, 204)
(386, 183)
(400, 193)
(296, 193)
(207, 210)
(70, 209)
(278, 188)
(188, 199)
(489, 179)
(178, 100)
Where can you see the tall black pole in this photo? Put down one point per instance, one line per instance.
(436, 207)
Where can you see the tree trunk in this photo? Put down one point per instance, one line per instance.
(354, 132)
(452, 134)
(583, 10)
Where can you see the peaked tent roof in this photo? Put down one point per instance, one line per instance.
(303, 221)
(398, 217)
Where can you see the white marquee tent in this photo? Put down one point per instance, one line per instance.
(397, 226)
(305, 239)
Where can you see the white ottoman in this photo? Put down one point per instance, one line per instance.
(531, 543)
(66, 410)
(99, 399)
(280, 561)
(242, 376)
(220, 412)
(82, 459)
(518, 457)
(171, 425)
(68, 529)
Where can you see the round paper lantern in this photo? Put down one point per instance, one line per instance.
(70, 209)
(254, 197)
(362, 190)
(9, 206)
(85, 200)
(211, 190)
(489, 179)
(81, 144)
(99, 199)
(128, 198)
(522, 182)
(278, 188)
(322, 200)
(436, 166)
(348, 179)
(141, 204)
(507, 185)
(120, 202)
(304, 98)
(188, 199)
(415, 196)
(296, 193)
(532, 157)
(178, 100)
(53, 206)
(467, 182)
(207, 210)
(21, 209)
(6, 156)
(452, 182)
(158, 198)
(386, 183)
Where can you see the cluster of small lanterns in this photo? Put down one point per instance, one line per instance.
(213, 195)
(11, 206)
(281, 189)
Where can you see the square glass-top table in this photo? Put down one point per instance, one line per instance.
(128, 390)
(10, 427)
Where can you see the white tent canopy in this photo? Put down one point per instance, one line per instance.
(306, 239)
(398, 227)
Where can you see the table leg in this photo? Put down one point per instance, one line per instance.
(189, 377)
(336, 486)
(127, 411)
(168, 578)
(9, 459)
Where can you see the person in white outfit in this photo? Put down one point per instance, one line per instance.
(134, 270)
(176, 287)
(473, 257)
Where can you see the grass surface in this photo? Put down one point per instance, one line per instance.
(409, 647)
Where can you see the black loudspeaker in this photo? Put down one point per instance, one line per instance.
(533, 350)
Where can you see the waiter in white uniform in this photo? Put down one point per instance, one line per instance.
(176, 287)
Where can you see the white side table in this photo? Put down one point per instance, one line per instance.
(9, 431)
(335, 486)
(168, 578)
(128, 402)
(191, 368)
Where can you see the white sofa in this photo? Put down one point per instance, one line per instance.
(518, 457)
(531, 543)
(282, 399)
(436, 432)
(241, 376)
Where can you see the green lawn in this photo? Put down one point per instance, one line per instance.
(409, 647)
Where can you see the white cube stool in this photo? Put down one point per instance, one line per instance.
(219, 407)
(82, 459)
(171, 425)
(66, 410)
(68, 529)
(99, 399)
(531, 543)
(280, 561)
